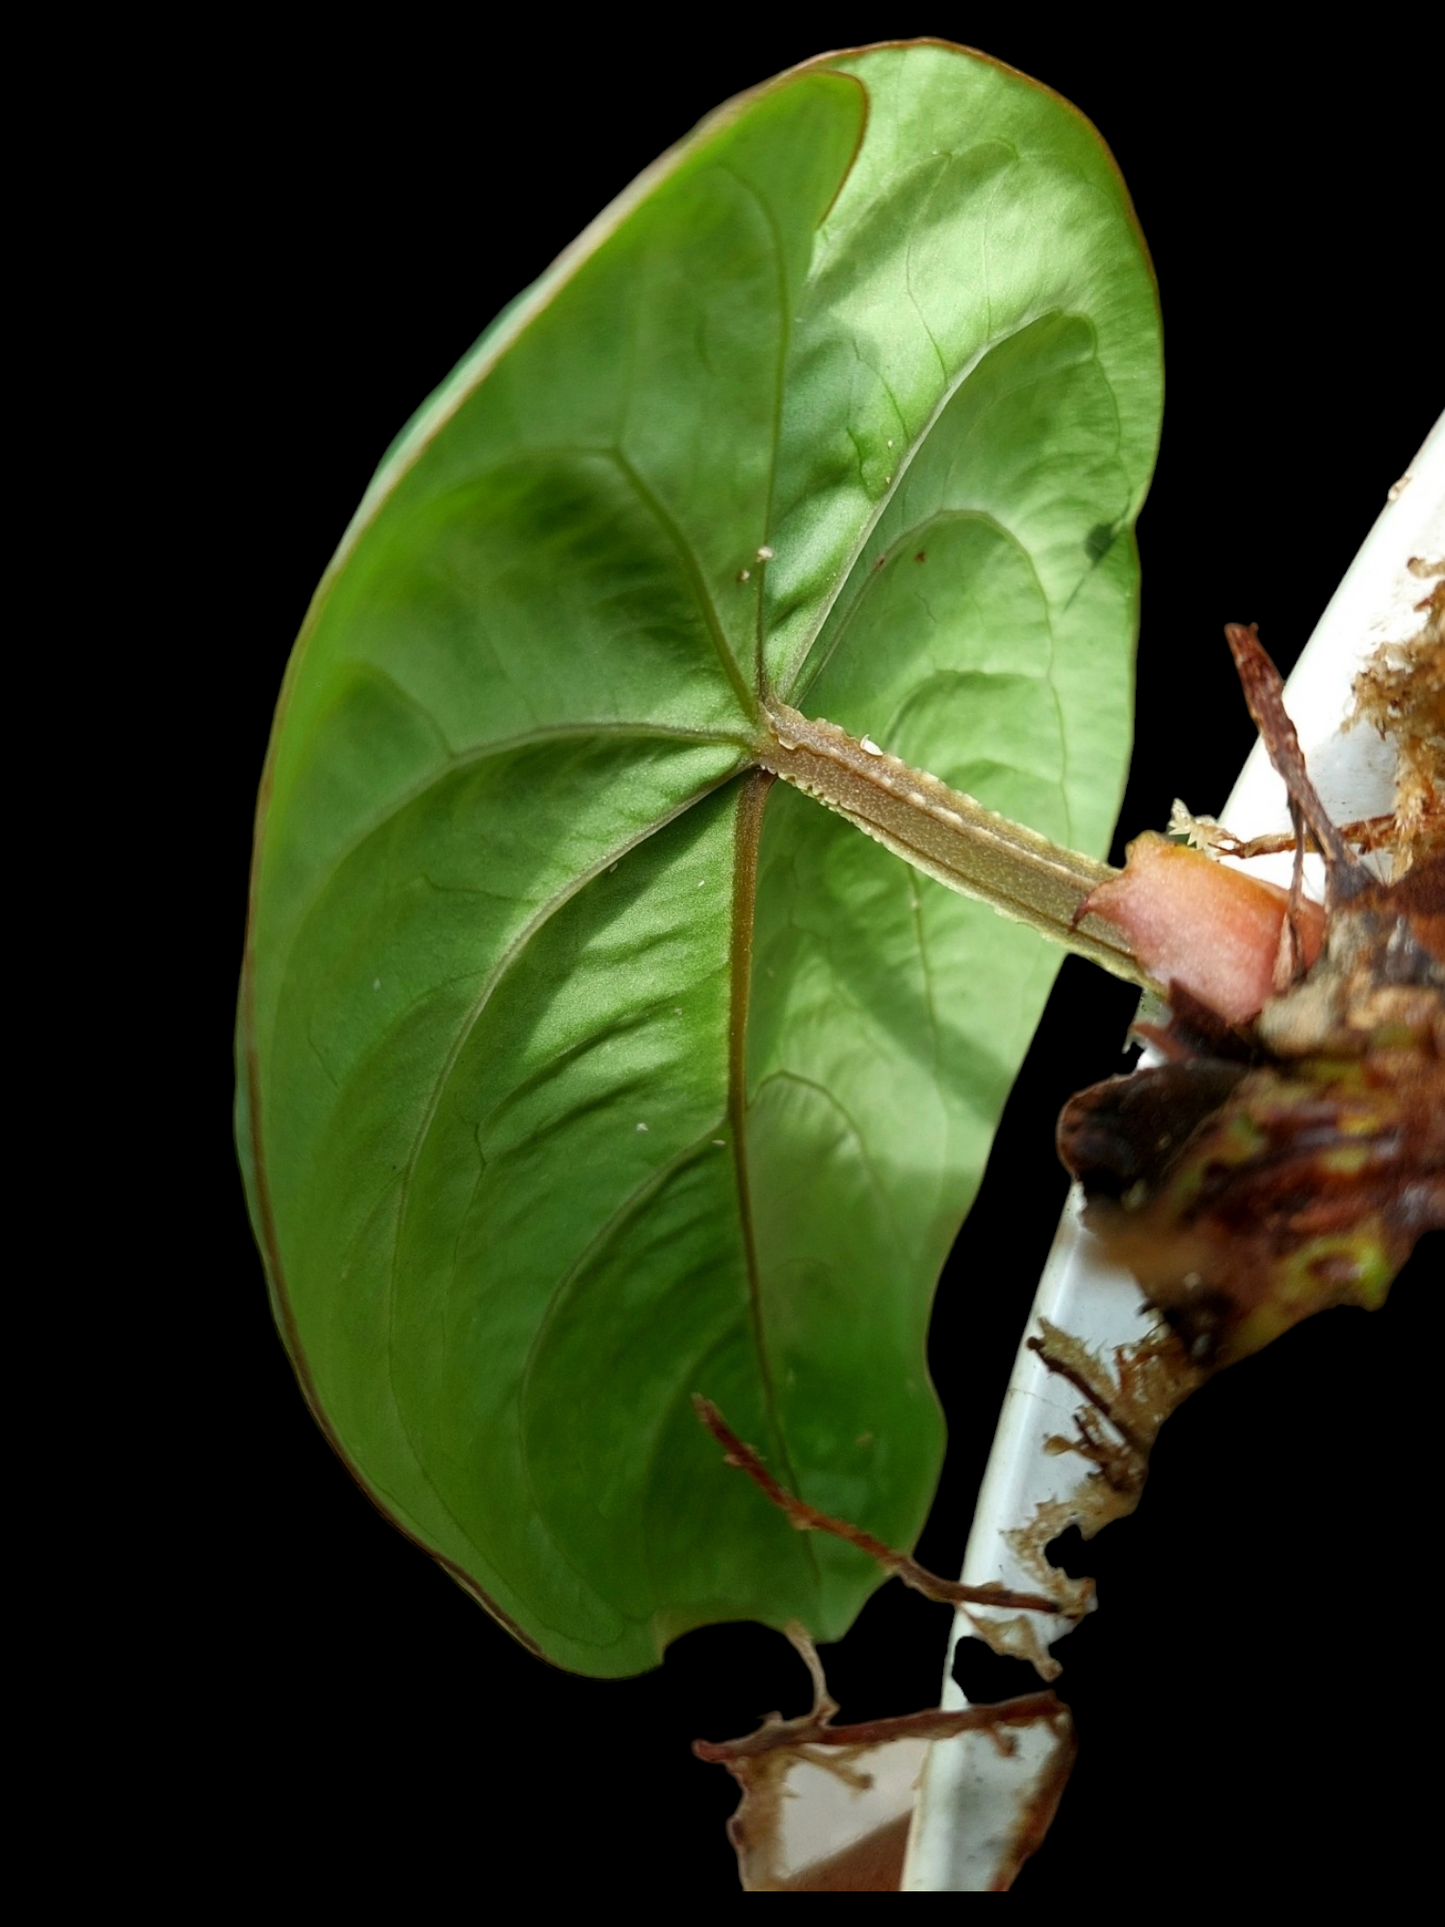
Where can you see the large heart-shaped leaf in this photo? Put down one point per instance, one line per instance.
(582, 1070)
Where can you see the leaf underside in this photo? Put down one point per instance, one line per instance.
(580, 1070)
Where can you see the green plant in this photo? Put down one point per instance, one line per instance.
(1222, 483)
(579, 1073)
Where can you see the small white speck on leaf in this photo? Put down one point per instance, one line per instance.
(765, 554)
(890, 441)
(745, 575)
(720, 1142)
(641, 1128)
(872, 748)
(612, 866)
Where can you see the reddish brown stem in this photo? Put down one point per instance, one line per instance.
(806, 1518)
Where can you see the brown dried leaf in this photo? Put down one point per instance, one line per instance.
(826, 1809)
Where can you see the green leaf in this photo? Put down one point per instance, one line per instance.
(580, 1069)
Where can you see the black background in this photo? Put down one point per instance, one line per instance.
(1249, 1692)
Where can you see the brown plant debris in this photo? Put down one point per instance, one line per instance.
(1275, 1164)
(1401, 692)
(1248, 1186)
(1264, 693)
(1286, 1156)
(1207, 833)
(1116, 1426)
(1149, 1380)
(767, 1764)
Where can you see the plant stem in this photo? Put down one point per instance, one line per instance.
(950, 837)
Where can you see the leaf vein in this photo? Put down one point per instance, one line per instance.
(690, 561)
(510, 956)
